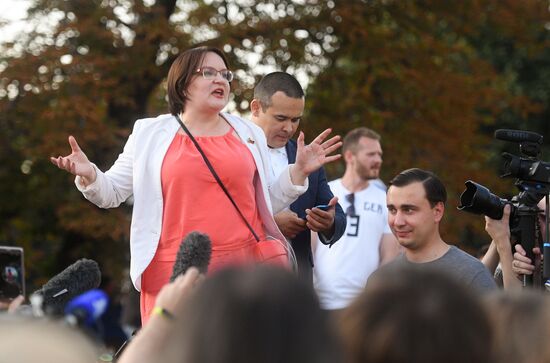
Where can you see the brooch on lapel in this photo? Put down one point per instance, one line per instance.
(250, 141)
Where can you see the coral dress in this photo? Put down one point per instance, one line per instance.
(193, 201)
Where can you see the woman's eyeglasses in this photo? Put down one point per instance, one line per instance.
(211, 73)
(350, 211)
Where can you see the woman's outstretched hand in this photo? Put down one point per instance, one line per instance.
(311, 157)
(76, 163)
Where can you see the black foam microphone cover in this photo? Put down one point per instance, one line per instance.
(81, 276)
(518, 136)
(195, 250)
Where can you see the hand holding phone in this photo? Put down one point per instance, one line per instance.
(12, 273)
(323, 207)
(321, 221)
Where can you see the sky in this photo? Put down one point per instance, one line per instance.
(12, 11)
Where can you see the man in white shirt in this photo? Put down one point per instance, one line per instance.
(277, 107)
(341, 271)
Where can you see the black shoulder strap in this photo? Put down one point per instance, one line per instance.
(217, 177)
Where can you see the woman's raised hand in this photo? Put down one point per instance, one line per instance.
(313, 156)
(76, 163)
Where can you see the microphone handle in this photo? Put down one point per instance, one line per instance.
(77, 317)
(123, 346)
(546, 260)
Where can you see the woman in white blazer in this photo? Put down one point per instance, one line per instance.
(173, 190)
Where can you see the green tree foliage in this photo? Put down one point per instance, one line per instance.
(434, 78)
(417, 80)
(519, 52)
(91, 75)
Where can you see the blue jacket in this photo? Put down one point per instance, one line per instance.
(318, 193)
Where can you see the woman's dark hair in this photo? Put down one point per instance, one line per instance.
(181, 73)
(256, 314)
(416, 315)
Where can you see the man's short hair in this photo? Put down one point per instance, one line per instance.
(351, 140)
(273, 83)
(435, 190)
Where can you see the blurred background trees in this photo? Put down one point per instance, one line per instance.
(434, 78)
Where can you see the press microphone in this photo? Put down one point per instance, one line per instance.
(86, 308)
(546, 242)
(81, 276)
(546, 260)
(518, 136)
(195, 251)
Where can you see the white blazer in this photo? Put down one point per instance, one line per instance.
(137, 172)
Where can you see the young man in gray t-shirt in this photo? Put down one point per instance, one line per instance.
(416, 204)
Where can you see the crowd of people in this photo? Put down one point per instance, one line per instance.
(367, 276)
(262, 313)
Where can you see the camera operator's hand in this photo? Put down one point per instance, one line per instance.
(522, 265)
(499, 230)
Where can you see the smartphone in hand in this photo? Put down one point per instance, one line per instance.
(12, 273)
(323, 207)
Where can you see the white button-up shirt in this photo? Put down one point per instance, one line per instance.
(279, 162)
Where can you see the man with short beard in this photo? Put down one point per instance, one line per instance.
(341, 271)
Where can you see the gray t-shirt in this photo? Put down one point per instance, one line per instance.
(467, 269)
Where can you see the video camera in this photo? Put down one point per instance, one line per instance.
(533, 182)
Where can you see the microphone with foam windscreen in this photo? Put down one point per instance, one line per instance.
(81, 276)
(195, 250)
(518, 136)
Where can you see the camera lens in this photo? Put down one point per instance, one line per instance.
(479, 200)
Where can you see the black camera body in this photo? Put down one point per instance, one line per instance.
(533, 182)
